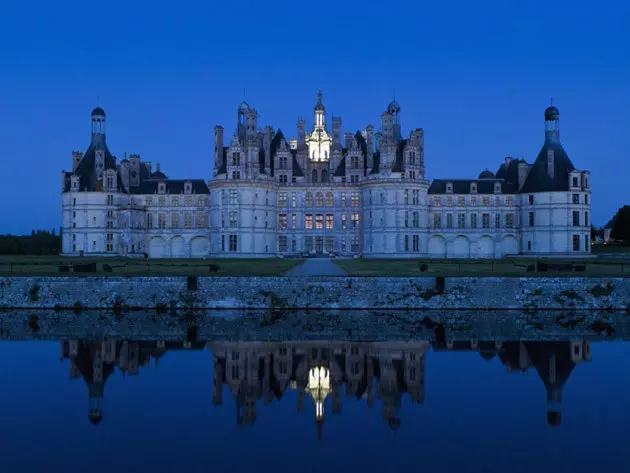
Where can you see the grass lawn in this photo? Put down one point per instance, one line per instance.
(610, 249)
(453, 267)
(49, 266)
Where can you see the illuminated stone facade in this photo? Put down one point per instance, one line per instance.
(363, 193)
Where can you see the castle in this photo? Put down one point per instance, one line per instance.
(360, 194)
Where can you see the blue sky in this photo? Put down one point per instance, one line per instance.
(475, 76)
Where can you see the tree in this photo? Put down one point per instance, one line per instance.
(621, 225)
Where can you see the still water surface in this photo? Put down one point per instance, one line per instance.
(314, 406)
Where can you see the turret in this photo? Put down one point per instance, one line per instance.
(98, 127)
(552, 124)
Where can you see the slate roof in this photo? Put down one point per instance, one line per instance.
(509, 172)
(86, 169)
(341, 169)
(462, 186)
(297, 170)
(148, 182)
(173, 186)
(538, 179)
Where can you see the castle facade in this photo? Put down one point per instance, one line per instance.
(353, 194)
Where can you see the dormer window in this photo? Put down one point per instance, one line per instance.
(162, 188)
(575, 182)
(188, 188)
(449, 187)
(473, 187)
(497, 187)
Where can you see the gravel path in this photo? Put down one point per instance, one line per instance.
(317, 267)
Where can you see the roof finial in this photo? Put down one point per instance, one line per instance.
(243, 92)
(551, 101)
(394, 93)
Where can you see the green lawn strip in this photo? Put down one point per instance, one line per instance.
(610, 249)
(49, 266)
(503, 267)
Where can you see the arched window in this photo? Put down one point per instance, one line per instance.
(314, 175)
(324, 175)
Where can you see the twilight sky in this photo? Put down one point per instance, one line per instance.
(476, 76)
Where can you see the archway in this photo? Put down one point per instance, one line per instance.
(461, 247)
(437, 247)
(178, 247)
(485, 247)
(158, 248)
(509, 246)
(199, 247)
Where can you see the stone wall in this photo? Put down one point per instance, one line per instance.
(163, 293)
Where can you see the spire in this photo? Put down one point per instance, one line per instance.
(320, 111)
(320, 105)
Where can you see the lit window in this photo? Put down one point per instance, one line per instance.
(319, 221)
(329, 222)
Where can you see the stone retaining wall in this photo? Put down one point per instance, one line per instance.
(167, 293)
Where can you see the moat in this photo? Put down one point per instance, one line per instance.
(189, 393)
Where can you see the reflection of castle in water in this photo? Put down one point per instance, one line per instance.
(255, 371)
(94, 361)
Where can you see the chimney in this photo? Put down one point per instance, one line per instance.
(508, 160)
(336, 133)
(301, 126)
(76, 159)
(523, 172)
(218, 146)
(347, 139)
(267, 137)
(369, 138)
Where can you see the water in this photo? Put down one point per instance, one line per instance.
(388, 406)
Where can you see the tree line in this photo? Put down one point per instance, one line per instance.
(39, 242)
(620, 225)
